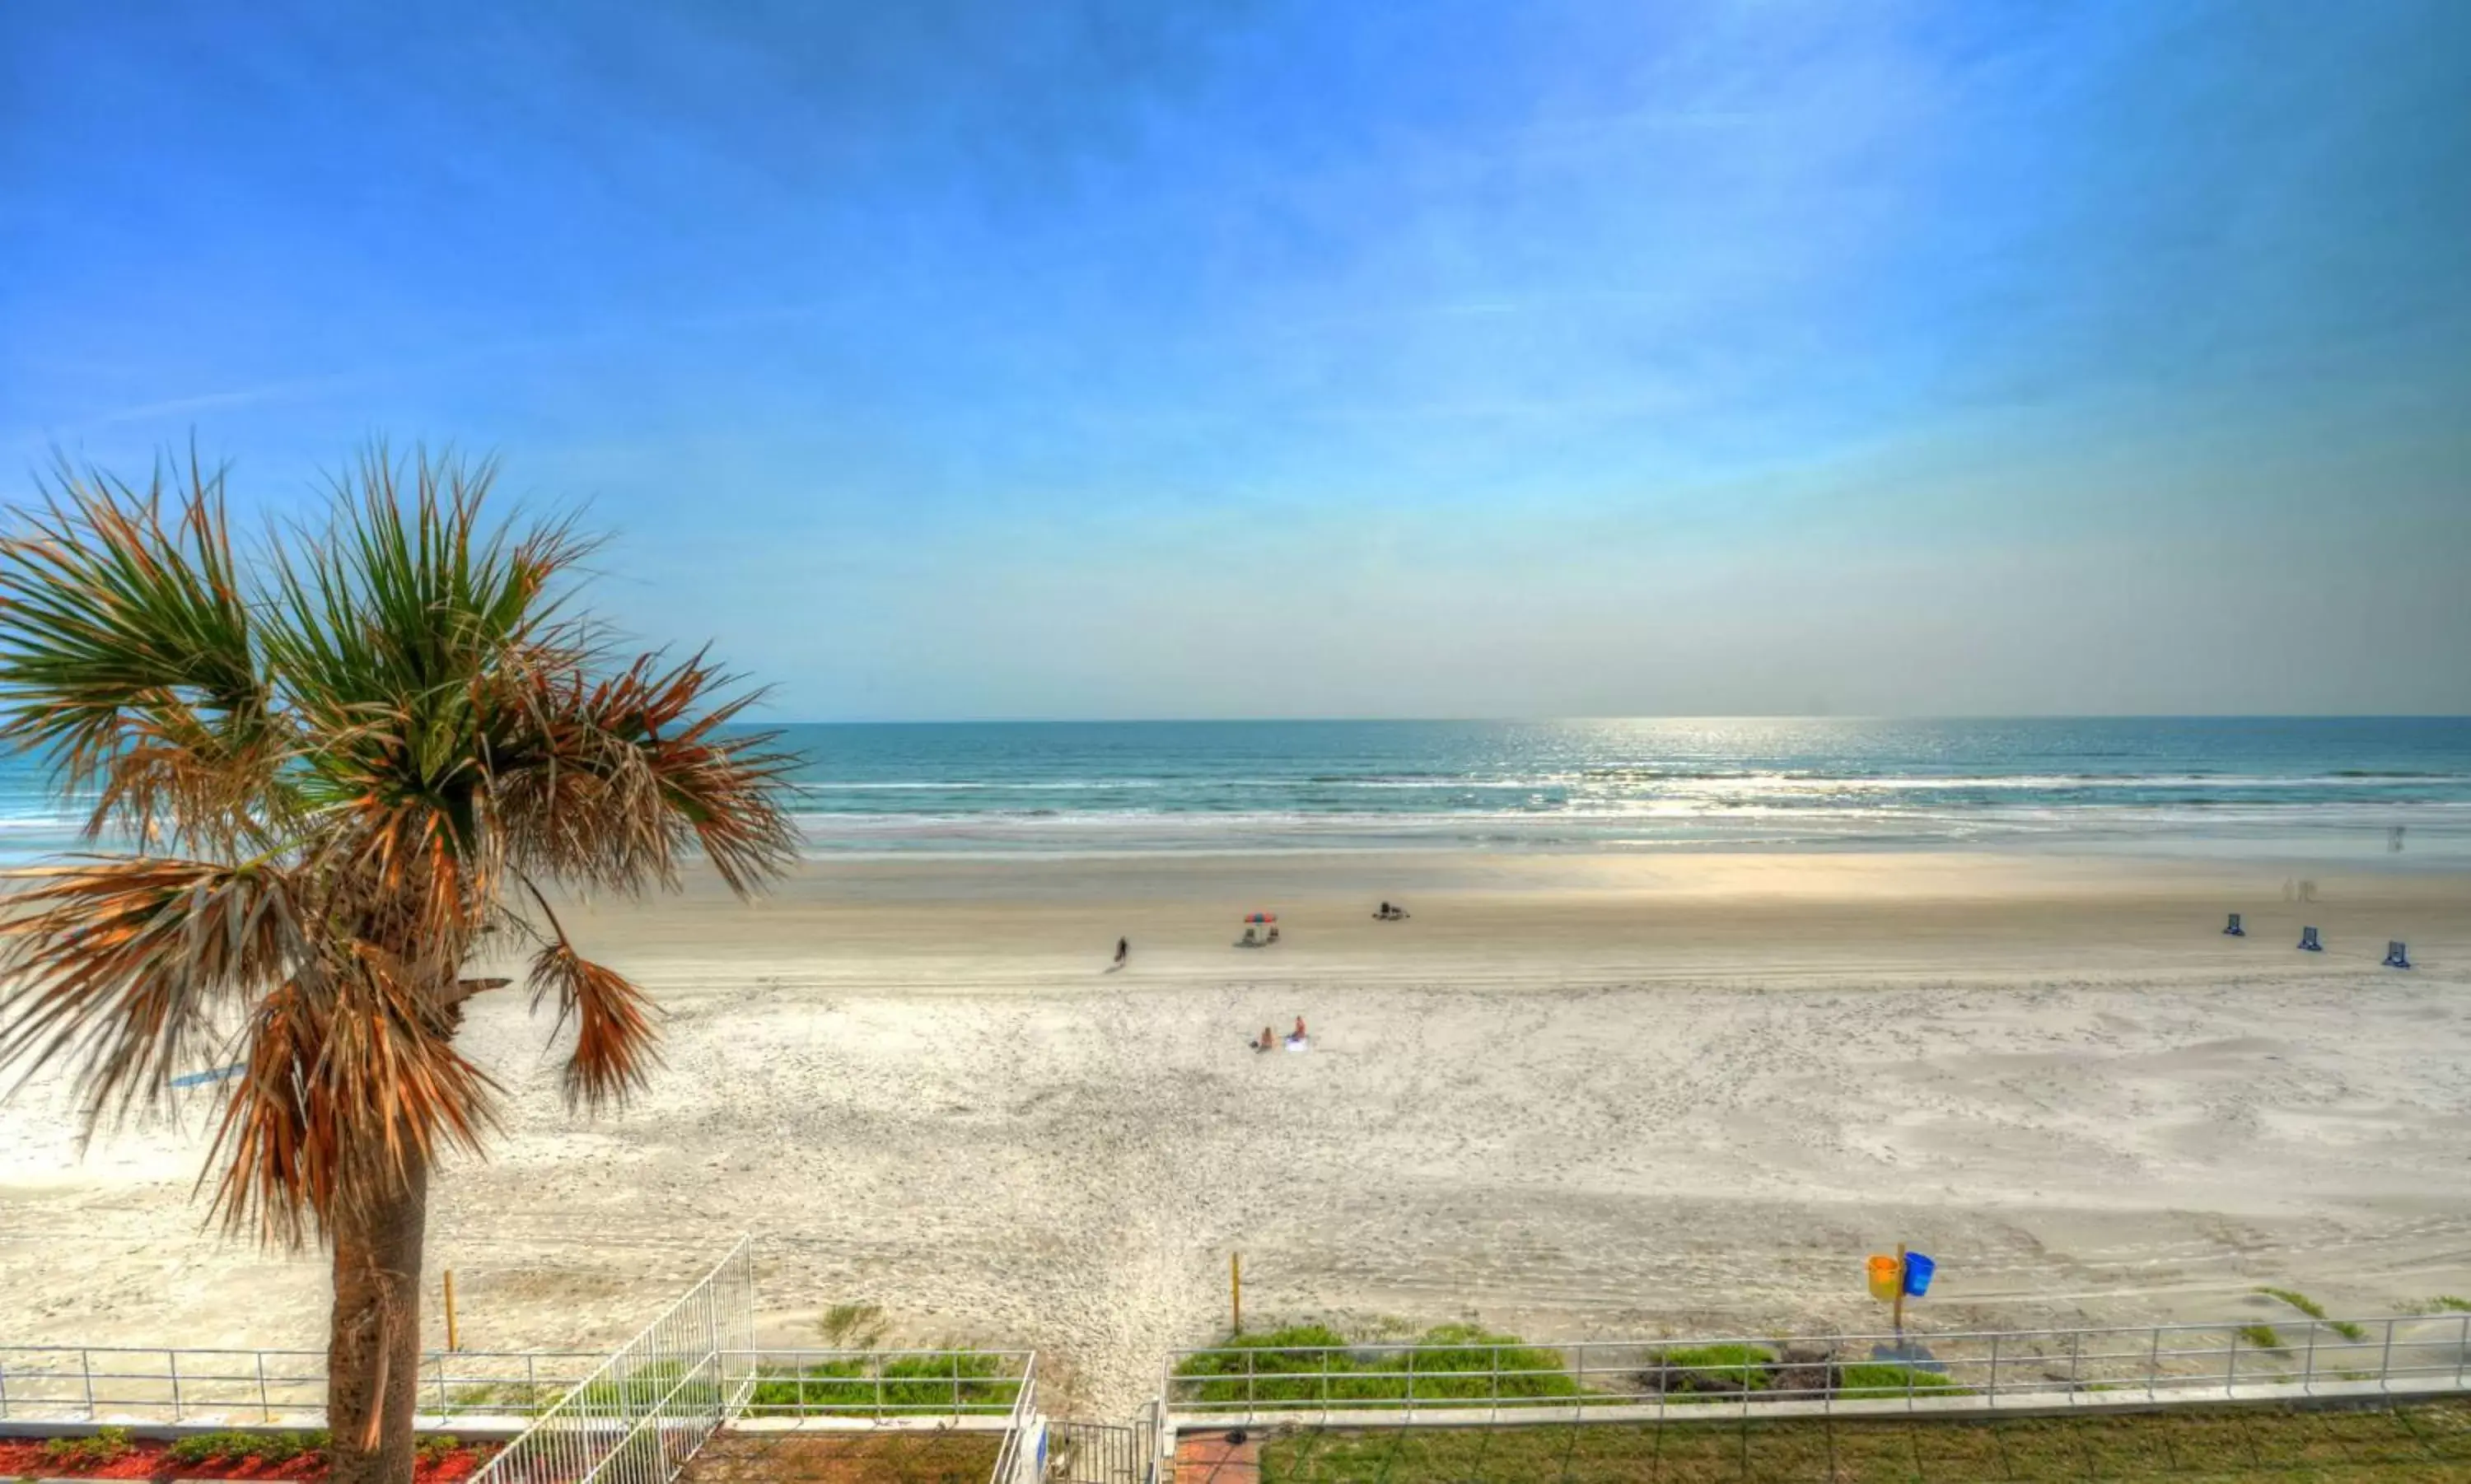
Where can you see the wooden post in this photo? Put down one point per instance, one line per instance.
(1900, 1290)
(453, 1341)
(1235, 1289)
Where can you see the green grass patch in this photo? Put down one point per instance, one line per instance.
(1712, 1370)
(1315, 1363)
(2317, 1311)
(2261, 1336)
(2447, 1303)
(952, 1381)
(1882, 1379)
(493, 1398)
(637, 1390)
(2415, 1444)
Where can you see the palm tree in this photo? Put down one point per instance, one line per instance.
(346, 768)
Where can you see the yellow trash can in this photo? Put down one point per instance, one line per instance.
(1885, 1278)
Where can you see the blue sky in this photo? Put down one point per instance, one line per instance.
(1145, 359)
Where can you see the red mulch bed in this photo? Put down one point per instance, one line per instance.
(145, 1460)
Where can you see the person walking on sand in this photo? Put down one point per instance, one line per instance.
(1123, 951)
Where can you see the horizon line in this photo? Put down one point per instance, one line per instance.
(1677, 716)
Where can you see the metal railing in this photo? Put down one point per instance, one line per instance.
(102, 1383)
(1016, 1460)
(956, 1385)
(642, 1412)
(1084, 1452)
(986, 1390)
(634, 1417)
(1367, 1384)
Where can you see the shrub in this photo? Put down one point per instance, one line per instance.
(2263, 1336)
(281, 1448)
(200, 1447)
(851, 1327)
(107, 1446)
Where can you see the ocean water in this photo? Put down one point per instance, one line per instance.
(2317, 787)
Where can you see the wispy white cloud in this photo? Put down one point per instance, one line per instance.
(303, 389)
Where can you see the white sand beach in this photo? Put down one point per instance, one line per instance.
(1572, 1096)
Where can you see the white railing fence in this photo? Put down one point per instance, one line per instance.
(2415, 1354)
(642, 1412)
(632, 1417)
(101, 1383)
(1023, 1456)
(288, 1387)
(964, 1387)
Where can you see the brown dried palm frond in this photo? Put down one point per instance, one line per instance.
(616, 1043)
(351, 1080)
(117, 967)
(617, 782)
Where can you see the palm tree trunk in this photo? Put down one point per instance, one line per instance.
(373, 1355)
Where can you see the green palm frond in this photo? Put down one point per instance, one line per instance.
(129, 656)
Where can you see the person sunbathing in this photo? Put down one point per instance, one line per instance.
(1269, 1040)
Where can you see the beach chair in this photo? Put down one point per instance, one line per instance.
(2235, 930)
(2396, 955)
(2308, 943)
